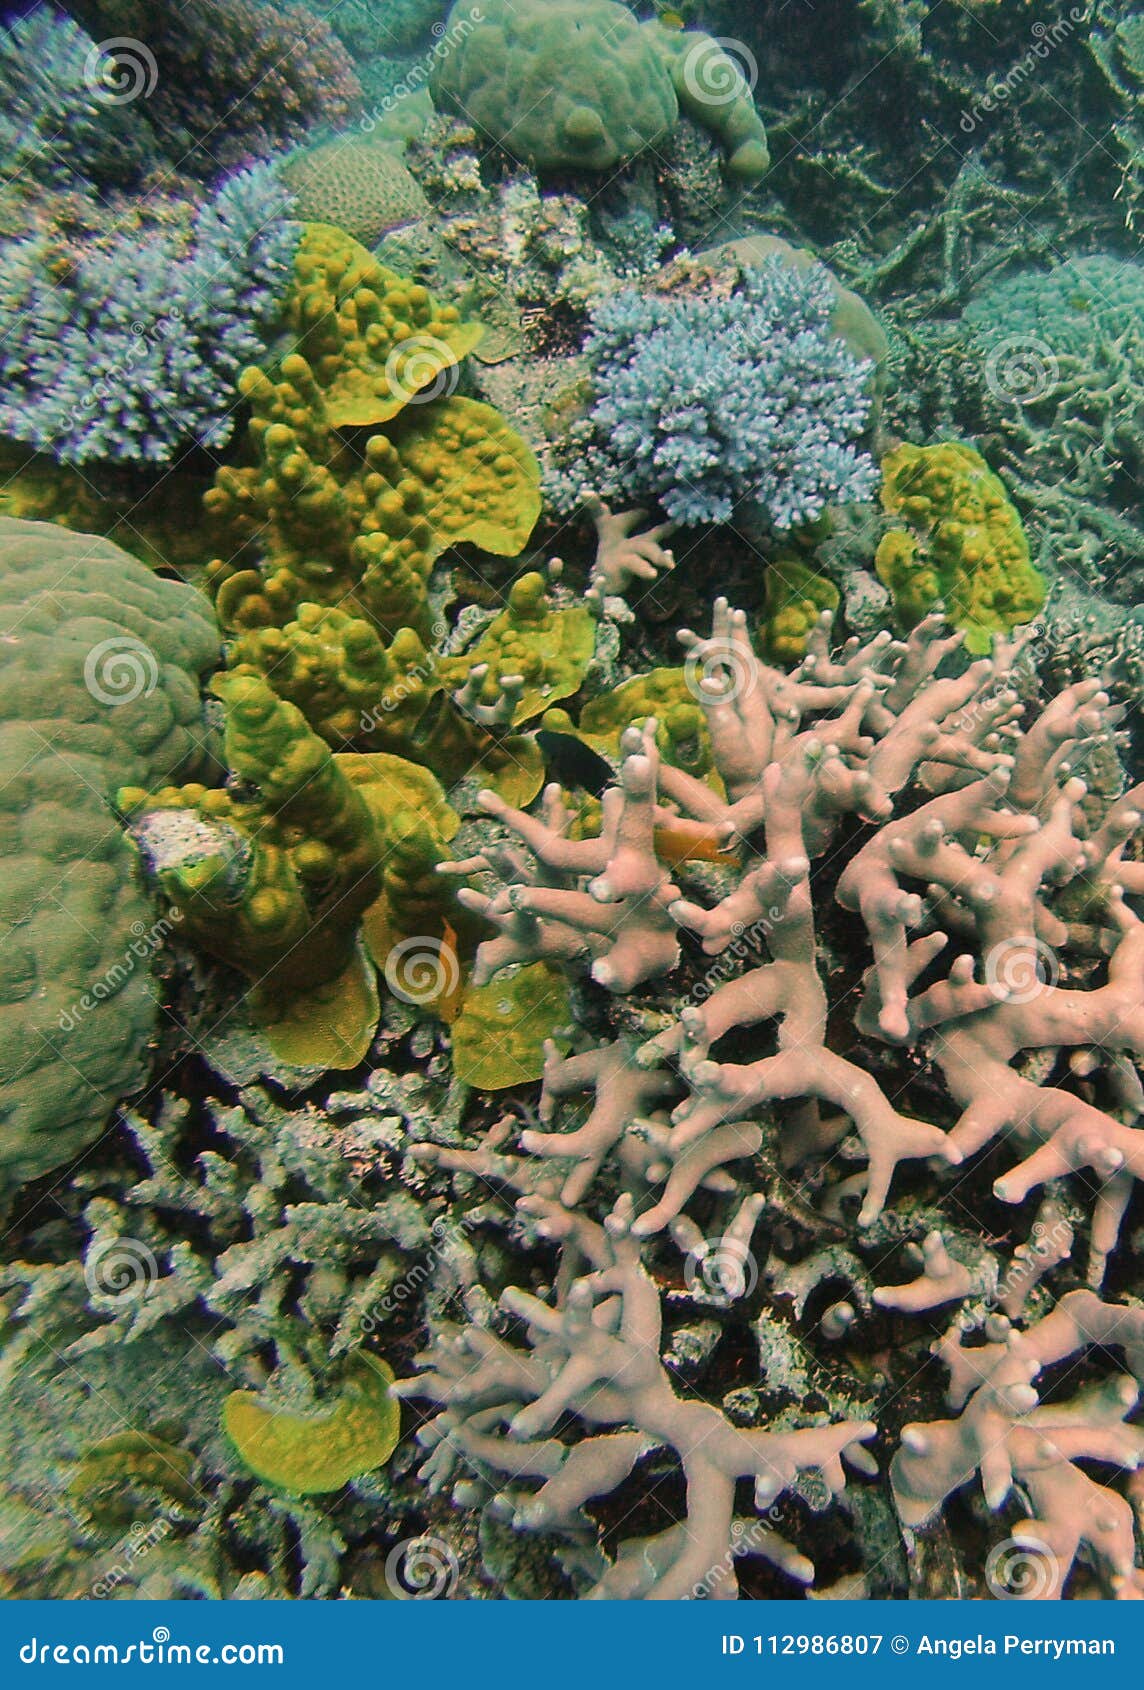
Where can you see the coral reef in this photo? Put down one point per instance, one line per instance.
(334, 520)
(987, 820)
(101, 685)
(636, 1074)
(596, 1355)
(131, 354)
(749, 400)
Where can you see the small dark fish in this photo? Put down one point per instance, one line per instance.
(572, 763)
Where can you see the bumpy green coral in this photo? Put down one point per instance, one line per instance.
(796, 596)
(712, 90)
(100, 685)
(547, 650)
(681, 730)
(334, 519)
(582, 85)
(357, 692)
(274, 874)
(964, 546)
(499, 1038)
(356, 184)
(374, 342)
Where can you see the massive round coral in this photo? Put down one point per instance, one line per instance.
(100, 685)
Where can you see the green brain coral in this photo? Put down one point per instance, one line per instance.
(963, 545)
(357, 184)
(100, 685)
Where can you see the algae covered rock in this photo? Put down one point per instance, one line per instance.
(99, 685)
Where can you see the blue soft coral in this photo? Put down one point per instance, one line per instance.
(134, 355)
(706, 404)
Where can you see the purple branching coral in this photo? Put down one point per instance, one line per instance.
(596, 1354)
(913, 789)
(1011, 1439)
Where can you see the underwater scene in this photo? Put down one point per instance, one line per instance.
(571, 799)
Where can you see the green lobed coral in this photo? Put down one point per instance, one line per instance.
(325, 516)
(583, 85)
(273, 874)
(963, 545)
(101, 685)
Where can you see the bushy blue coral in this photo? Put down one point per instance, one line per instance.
(133, 355)
(57, 119)
(707, 404)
